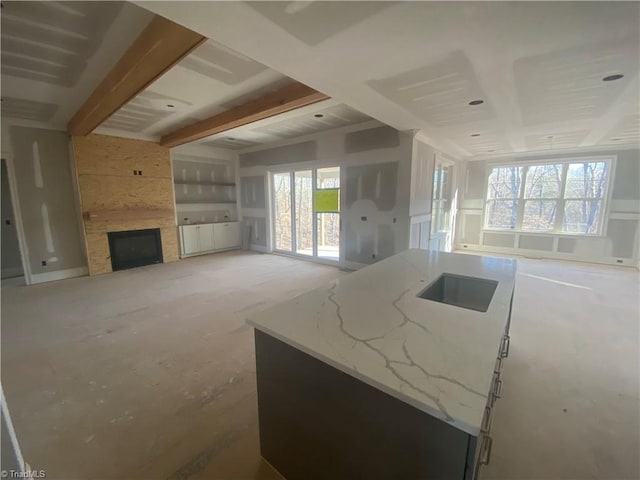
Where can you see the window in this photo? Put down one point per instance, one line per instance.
(560, 197)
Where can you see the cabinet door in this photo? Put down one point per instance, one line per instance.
(205, 234)
(189, 239)
(227, 235)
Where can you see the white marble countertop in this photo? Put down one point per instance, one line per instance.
(371, 325)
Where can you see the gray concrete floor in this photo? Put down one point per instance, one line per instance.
(149, 373)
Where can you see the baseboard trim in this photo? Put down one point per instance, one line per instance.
(12, 272)
(59, 275)
(219, 250)
(541, 255)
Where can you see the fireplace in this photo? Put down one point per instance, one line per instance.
(135, 248)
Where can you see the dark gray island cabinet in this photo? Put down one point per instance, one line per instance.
(390, 372)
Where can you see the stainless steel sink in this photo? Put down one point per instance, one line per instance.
(461, 291)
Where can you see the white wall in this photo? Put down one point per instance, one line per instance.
(618, 245)
(41, 171)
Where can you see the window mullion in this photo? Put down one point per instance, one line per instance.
(557, 228)
(520, 216)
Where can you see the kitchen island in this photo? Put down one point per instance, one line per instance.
(366, 379)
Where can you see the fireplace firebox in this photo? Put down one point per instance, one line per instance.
(135, 248)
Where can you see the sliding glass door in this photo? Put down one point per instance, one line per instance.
(306, 212)
(328, 213)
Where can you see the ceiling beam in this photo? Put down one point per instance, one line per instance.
(288, 98)
(161, 45)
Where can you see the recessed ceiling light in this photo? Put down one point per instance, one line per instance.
(476, 102)
(475, 134)
(550, 136)
(616, 139)
(611, 78)
(231, 138)
(318, 115)
(170, 106)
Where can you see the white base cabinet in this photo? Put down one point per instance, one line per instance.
(208, 237)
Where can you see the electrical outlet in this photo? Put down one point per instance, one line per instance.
(44, 263)
(373, 255)
(364, 219)
(618, 261)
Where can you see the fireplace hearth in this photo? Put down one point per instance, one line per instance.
(135, 248)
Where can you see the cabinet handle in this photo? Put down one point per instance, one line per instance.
(497, 389)
(486, 420)
(485, 450)
(498, 367)
(505, 346)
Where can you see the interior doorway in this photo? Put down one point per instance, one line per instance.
(306, 213)
(441, 206)
(11, 266)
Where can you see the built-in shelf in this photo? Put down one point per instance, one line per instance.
(205, 194)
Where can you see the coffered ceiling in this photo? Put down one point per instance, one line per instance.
(210, 80)
(477, 79)
(537, 67)
(314, 118)
(54, 54)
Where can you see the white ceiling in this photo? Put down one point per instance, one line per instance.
(210, 80)
(538, 66)
(55, 53)
(311, 119)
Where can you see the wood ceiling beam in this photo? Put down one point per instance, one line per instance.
(288, 98)
(161, 45)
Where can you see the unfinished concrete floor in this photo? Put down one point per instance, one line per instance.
(149, 373)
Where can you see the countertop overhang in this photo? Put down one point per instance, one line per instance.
(371, 325)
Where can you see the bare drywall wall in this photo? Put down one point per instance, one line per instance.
(252, 194)
(47, 203)
(617, 245)
(258, 230)
(376, 163)
(297, 152)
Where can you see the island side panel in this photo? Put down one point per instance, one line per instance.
(317, 422)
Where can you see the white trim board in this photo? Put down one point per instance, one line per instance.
(59, 275)
(539, 255)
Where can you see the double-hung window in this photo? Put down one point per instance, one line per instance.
(566, 197)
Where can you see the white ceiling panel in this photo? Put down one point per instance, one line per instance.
(439, 93)
(538, 66)
(627, 130)
(305, 121)
(55, 53)
(555, 140)
(568, 84)
(53, 41)
(28, 109)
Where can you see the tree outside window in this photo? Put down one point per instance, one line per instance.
(565, 197)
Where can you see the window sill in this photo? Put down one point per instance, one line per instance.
(544, 234)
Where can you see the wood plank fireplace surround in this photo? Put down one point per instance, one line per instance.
(123, 185)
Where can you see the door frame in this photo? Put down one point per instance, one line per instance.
(439, 159)
(271, 214)
(15, 206)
